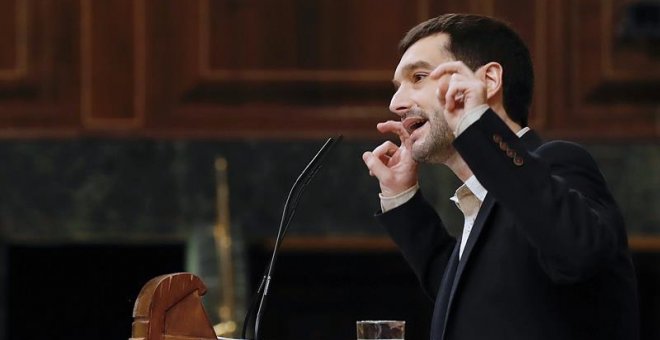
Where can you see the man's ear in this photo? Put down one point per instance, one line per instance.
(493, 73)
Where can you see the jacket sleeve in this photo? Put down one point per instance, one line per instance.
(420, 234)
(556, 195)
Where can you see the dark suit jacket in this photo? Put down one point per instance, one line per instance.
(547, 257)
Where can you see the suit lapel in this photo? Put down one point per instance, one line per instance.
(478, 226)
(442, 300)
(531, 141)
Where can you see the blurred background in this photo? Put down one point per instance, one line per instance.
(116, 117)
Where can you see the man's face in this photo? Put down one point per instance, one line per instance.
(416, 100)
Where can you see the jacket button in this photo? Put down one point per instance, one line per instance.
(517, 160)
(497, 138)
(511, 154)
(503, 146)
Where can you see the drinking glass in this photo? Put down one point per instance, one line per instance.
(380, 329)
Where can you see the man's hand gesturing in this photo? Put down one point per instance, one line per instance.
(459, 90)
(392, 164)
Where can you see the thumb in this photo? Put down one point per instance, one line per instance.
(376, 167)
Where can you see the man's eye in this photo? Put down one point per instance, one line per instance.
(417, 77)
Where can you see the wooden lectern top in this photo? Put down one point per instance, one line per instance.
(169, 307)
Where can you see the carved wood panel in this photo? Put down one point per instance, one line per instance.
(38, 75)
(283, 68)
(294, 68)
(113, 62)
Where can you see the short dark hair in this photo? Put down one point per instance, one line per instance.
(477, 40)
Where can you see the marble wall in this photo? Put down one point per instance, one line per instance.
(118, 190)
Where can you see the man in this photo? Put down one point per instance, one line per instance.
(543, 253)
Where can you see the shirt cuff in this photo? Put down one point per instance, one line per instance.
(390, 202)
(469, 118)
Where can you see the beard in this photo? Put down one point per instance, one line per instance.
(436, 147)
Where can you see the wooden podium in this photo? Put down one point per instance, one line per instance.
(169, 307)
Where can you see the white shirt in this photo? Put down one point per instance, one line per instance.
(468, 199)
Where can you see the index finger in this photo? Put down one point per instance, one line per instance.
(449, 68)
(394, 127)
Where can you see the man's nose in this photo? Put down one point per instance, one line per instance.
(401, 102)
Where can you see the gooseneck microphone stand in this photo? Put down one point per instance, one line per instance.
(259, 300)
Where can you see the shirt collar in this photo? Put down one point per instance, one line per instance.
(471, 185)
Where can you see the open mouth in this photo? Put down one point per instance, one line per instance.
(413, 123)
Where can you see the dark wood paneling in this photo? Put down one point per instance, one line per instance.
(113, 60)
(293, 68)
(287, 68)
(38, 67)
(10, 60)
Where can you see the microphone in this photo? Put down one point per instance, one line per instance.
(301, 183)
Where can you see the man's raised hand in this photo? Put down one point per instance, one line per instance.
(459, 89)
(392, 164)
